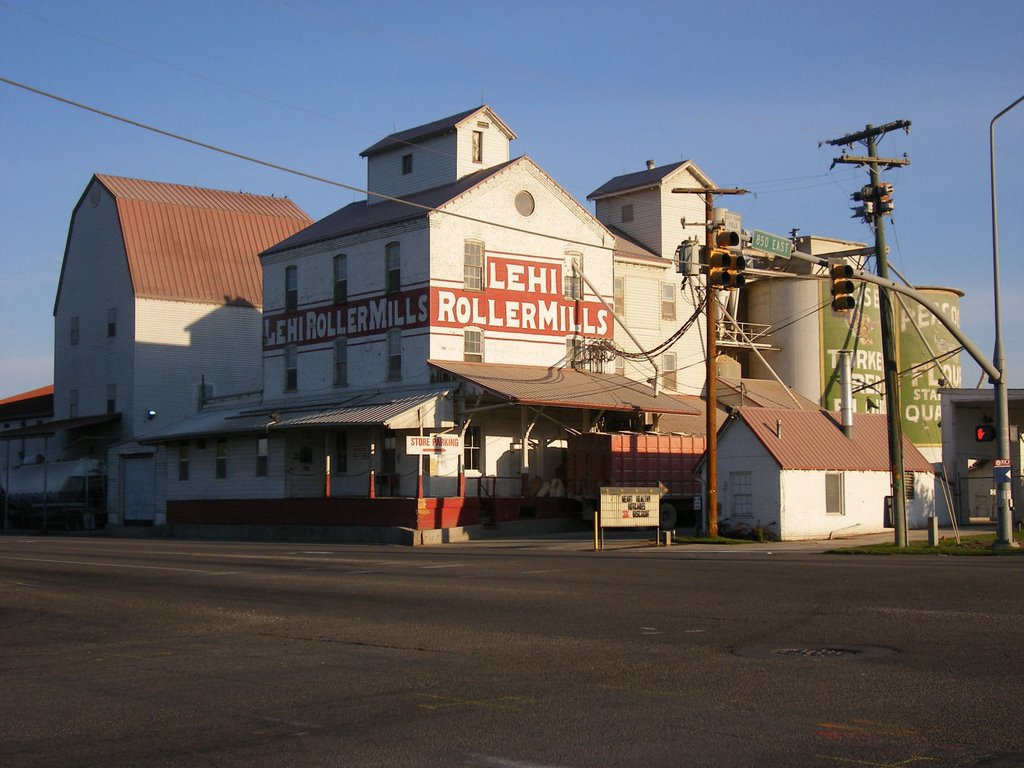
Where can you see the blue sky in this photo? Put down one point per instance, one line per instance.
(746, 90)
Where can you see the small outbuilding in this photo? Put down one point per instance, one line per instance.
(799, 474)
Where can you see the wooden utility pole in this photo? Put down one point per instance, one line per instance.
(711, 415)
(875, 215)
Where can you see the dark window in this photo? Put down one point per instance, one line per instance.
(291, 369)
(262, 445)
(392, 268)
(341, 362)
(183, 460)
(112, 322)
(73, 404)
(627, 212)
(341, 452)
(340, 278)
(222, 458)
(406, 164)
(291, 289)
(111, 398)
(394, 354)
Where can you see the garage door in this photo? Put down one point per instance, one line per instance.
(138, 498)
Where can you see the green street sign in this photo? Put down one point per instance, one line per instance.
(773, 244)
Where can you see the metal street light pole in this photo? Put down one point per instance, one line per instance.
(1000, 473)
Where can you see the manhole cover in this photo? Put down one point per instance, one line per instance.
(817, 652)
(814, 651)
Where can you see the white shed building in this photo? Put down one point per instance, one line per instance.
(796, 474)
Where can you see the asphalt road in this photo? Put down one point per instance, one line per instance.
(178, 653)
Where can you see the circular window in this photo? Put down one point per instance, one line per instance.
(524, 203)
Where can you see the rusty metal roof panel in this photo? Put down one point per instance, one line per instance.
(563, 387)
(814, 440)
(763, 393)
(193, 244)
(379, 410)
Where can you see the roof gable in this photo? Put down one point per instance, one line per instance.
(814, 440)
(412, 136)
(652, 177)
(187, 243)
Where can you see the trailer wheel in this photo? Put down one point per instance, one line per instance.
(667, 517)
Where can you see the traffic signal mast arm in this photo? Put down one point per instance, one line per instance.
(983, 362)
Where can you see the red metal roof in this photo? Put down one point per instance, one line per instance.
(194, 244)
(32, 393)
(563, 387)
(814, 440)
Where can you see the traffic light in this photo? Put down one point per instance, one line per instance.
(883, 198)
(984, 433)
(726, 238)
(866, 196)
(841, 274)
(725, 269)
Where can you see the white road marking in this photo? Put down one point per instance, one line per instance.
(120, 565)
(434, 567)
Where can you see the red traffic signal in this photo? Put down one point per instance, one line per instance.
(984, 433)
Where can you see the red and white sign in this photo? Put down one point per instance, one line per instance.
(432, 445)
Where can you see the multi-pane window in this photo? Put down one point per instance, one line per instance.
(473, 345)
(572, 281)
(73, 404)
(111, 398)
(183, 460)
(406, 164)
(471, 449)
(291, 368)
(668, 301)
(112, 322)
(909, 492)
(340, 463)
(473, 266)
(834, 504)
(341, 362)
(620, 365)
(291, 289)
(74, 331)
(262, 450)
(668, 369)
(340, 278)
(395, 354)
(627, 212)
(478, 146)
(741, 484)
(619, 296)
(221, 470)
(392, 268)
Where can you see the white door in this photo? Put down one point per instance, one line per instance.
(138, 488)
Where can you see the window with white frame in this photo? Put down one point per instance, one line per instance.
(291, 368)
(478, 146)
(392, 268)
(741, 486)
(619, 296)
(668, 301)
(291, 288)
(473, 345)
(834, 494)
(572, 281)
(620, 365)
(471, 449)
(394, 354)
(473, 265)
(341, 362)
(340, 278)
(668, 369)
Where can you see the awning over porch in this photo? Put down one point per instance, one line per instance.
(50, 428)
(563, 387)
(394, 411)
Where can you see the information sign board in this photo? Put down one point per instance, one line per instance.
(432, 445)
(773, 244)
(630, 507)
